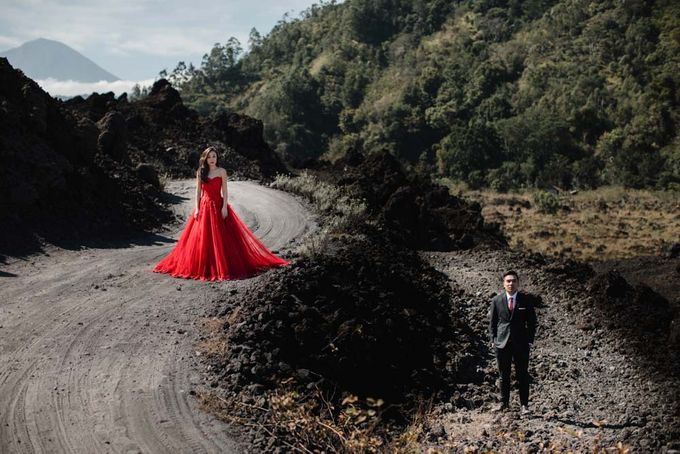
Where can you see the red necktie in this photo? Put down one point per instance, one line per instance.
(510, 305)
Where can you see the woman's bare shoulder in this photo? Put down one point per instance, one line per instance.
(223, 171)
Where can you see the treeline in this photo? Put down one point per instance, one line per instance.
(498, 93)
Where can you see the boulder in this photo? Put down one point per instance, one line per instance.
(112, 140)
(147, 173)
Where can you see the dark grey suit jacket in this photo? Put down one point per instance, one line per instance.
(520, 326)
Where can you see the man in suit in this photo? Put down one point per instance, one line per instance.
(512, 328)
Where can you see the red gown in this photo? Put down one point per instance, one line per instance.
(212, 248)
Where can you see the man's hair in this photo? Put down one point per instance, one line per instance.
(510, 273)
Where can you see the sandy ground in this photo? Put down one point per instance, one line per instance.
(97, 352)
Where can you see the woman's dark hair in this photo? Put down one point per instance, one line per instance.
(203, 167)
(510, 273)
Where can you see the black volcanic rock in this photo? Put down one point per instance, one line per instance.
(365, 315)
(417, 212)
(112, 140)
(163, 132)
(148, 174)
(246, 136)
(163, 95)
(96, 161)
(643, 317)
(94, 106)
(60, 176)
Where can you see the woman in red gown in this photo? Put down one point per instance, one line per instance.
(216, 244)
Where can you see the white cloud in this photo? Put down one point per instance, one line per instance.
(9, 42)
(137, 38)
(166, 42)
(118, 25)
(72, 88)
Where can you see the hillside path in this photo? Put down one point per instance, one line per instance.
(97, 353)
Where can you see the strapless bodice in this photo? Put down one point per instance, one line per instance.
(212, 189)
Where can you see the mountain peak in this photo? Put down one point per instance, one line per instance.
(43, 41)
(44, 58)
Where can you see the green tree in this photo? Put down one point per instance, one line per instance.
(220, 69)
(467, 149)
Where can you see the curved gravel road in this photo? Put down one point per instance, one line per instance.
(96, 351)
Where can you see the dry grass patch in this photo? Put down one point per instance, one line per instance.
(214, 342)
(319, 62)
(310, 423)
(604, 224)
(339, 207)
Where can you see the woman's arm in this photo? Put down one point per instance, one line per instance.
(198, 194)
(225, 194)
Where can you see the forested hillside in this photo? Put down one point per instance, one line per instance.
(505, 94)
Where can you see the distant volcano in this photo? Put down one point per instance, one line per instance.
(44, 58)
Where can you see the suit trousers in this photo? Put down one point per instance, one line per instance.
(519, 354)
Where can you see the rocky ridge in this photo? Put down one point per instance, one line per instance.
(68, 169)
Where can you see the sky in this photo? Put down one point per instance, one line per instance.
(136, 39)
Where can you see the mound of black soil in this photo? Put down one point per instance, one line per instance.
(645, 320)
(60, 176)
(416, 212)
(660, 273)
(161, 130)
(365, 317)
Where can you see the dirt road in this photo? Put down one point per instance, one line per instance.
(96, 351)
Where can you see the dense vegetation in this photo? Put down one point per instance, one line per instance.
(498, 93)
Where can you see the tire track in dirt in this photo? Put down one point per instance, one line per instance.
(96, 351)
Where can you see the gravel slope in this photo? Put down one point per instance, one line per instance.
(589, 389)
